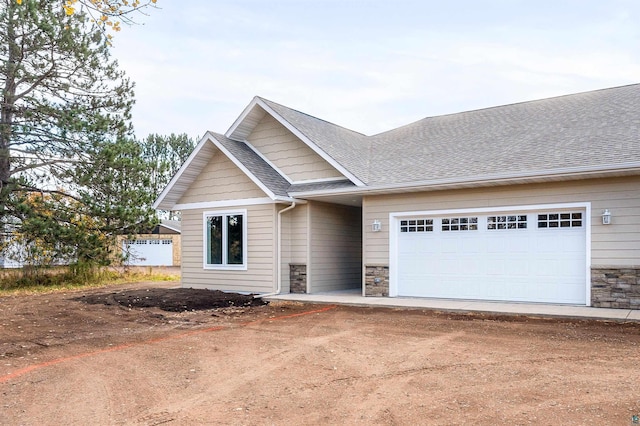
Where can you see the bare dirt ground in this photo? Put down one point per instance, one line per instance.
(96, 357)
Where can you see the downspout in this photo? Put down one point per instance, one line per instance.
(278, 255)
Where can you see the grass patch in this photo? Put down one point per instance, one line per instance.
(49, 280)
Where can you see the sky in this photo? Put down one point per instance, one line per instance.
(368, 65)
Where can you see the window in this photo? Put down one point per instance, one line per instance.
(225, 245)
(460, 224)
(416, 225)
(560, 220)
(507, 222)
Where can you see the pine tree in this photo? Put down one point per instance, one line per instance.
(164, 156)
(65, 133)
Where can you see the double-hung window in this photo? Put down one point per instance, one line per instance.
(225, 240)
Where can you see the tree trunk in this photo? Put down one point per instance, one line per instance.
(7, 108)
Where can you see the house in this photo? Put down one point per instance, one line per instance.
(530, 202)
(158, 247)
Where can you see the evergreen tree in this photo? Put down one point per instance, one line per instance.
(65, 133)
(164, 156)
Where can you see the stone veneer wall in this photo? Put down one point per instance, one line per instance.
(615, 287)
(297, 278)
(376, 282)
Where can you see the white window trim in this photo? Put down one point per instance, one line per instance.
(394, 232)
(224, 267)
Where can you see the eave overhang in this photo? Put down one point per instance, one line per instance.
(568, 174)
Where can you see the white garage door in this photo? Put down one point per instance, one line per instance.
(523, 256)
(149, 252)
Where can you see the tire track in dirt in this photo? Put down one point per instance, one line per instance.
(446, 367)
(34, 367)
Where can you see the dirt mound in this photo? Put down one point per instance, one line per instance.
(172, 299)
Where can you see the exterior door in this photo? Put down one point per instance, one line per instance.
(522, 256)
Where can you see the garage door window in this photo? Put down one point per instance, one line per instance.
(225, 244)
(507, 222)
(460, 224)
(560, 220)
(416, 225)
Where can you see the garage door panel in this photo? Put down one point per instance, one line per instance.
(449, 245)
(519, 245)
(154, 252)
(473, 265)
(473, 245)
(503, 257)
(547, 243)
(450, 266)
(516, 267)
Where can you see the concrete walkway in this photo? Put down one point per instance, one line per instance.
(355, 298)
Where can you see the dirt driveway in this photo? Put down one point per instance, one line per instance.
(66, 361)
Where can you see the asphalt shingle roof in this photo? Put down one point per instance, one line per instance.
(267, 175)
(320, 186)
(255, 164)
(592, 129)
(597, 129)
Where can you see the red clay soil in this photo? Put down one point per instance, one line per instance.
(100, 357)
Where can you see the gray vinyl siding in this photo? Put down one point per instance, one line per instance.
(260, 274)
(335, 247)
(288, 153)
(294, 241)
(617, 244)
(221, 180)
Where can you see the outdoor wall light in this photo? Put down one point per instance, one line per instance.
(376, 226)
(606, 217)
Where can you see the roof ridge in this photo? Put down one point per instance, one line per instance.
(311, 116)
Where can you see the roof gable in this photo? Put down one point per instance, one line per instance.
(332, 143)
(187, 173)
(286, 153)
(260, 173)
(220, 180)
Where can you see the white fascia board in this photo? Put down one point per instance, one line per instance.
(483, 181)
(177, 176)
(170, 227)
(310, 143)
(266, 160)
(242, 167)
(242, 117)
